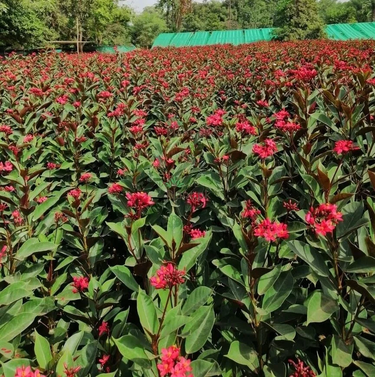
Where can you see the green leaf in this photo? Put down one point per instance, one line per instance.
(32, 246)
(147, 313)
(278, 293)
(6, 349)
(119, 229)
(12, 293)
(196, 299)
(164, 235)
(42, 208)
(201, 368)
(341, 353)
(310, 256)
(268, 280)
(174, 324)
(228, 270)
(190, 257)
(242, 354)
(365, 347)
(42, 350)
(175, 230)
(198, 338)
(10, 367)
(362, 265)
(369, 369)
(16, 325)
(320, 308)
(132, 349)
(125, 276)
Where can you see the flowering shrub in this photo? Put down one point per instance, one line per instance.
(196, 212)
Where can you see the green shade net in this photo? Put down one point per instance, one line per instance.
(340, 32)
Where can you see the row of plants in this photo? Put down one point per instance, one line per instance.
(189, 212)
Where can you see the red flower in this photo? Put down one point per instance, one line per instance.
(196, 233)
(75, 193)
(3, 207)
(103, 328)
(71, 372)
(85, 177)
(6, 129)
(115, 188)
(250, 212)
(301, 370)
(324, 219)
(51, 166)
(290, 206)
(167, 276)
(267, 149)
(80, 284)
(6, 167)
(197, 200)
(344, 146)
(172, 363)
(139, 200)
(42, 199)
(28, 138)
(104, 360)
(287, 126)
(246, 128)
(270, 231)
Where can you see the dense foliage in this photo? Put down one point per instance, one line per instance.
(35, 23)
(201, 208)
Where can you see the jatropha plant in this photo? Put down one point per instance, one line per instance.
(189, 212)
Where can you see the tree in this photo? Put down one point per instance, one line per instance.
(333, 12)
(20, 24)
(175, 11)
(364, 9)
(147, 26)
(300, 21)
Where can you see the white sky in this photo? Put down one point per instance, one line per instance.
(138, 5)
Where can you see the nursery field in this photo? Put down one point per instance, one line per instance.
(199, 212)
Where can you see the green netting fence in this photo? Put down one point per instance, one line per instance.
(341, 32)
(111, 49)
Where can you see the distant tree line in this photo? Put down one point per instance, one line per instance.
(35, 23)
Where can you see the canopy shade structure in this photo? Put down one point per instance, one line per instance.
(340, 32)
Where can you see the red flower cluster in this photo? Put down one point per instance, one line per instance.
(173, 364)
(324, 219)
(216, 119)
(139, 200)
(267, 149)
(167, 276)
(270, 231)
(28, 372)
(196, 200)
(250, 212)
(246, 128)
(6, 129)
(287, 126)
(80, 284)
(344, 146)
(301, 370)
(115, 188)
(6, 167)
(290, 206)
(85, 177)
(75, 193)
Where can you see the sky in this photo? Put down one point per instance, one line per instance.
(138, 5)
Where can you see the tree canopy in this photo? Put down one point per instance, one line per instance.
(33, 23)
